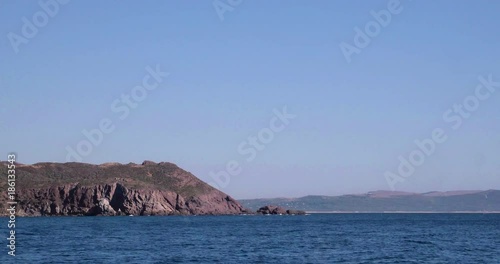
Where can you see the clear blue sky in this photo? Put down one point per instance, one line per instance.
(352, 121)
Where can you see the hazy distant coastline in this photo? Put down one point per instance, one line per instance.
(391, 202)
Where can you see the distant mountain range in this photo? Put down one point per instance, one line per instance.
(388, 201)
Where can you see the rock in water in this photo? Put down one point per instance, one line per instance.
(113, 189)
(276, 210)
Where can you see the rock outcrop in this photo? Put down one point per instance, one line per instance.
(276, 210)
(48, 189)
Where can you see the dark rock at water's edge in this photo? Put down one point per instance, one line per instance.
(276, 210)
(61, 189)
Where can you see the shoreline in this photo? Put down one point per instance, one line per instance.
(403, 212)
(307, 213)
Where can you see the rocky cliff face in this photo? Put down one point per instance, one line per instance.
(46, 189)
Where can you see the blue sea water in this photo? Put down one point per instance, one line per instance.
(318, 238)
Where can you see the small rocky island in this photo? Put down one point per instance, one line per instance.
(276, 210)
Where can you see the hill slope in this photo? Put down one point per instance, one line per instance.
(384, 201)
(112, 188)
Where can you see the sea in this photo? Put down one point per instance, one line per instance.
(314, 238)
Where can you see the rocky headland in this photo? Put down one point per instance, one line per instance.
(64, 189)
